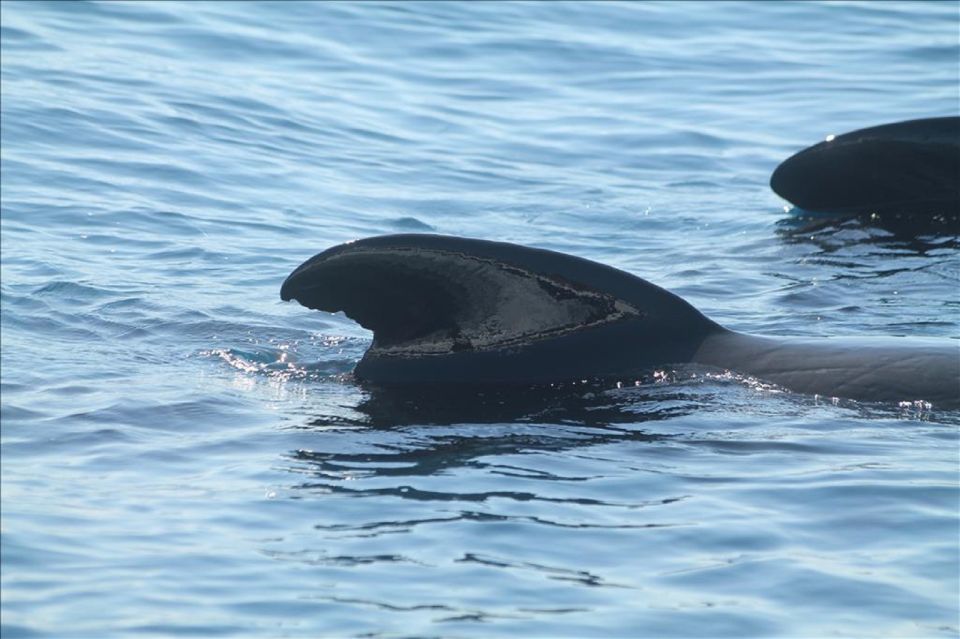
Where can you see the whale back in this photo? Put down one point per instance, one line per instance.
(907, 168)
(449, 309)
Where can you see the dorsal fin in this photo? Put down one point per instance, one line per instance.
(455, 309)
(907, 168)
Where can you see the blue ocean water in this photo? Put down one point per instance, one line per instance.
(185, 455)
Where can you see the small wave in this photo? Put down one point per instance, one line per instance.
(74, 291)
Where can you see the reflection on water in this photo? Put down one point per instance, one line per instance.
(913, 234)
(545, 419)
(588, 403)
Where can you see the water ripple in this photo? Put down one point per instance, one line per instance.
(183, 454)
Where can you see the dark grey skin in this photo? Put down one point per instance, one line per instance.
(904, 169)
(451, 310)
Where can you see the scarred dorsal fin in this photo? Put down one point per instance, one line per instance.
(456, 309)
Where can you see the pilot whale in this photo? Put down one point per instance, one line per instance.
(905, 169)
(453, 310)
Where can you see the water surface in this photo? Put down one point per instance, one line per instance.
(185, 455)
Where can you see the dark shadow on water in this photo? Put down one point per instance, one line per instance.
(595, 404)
(915, 235)
(449, 432)
(429, 430)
